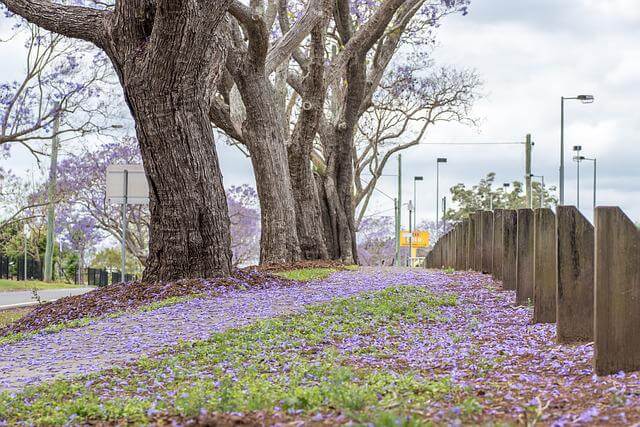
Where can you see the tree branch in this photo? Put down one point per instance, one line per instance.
(77, 22)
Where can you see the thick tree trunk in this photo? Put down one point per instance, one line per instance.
(308, 215)
(307, 202)
(264, 137)
(189, 233)
(166, 90)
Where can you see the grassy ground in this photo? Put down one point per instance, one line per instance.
(9, 316)
(20, 285)
(308, 274)
(298, 365)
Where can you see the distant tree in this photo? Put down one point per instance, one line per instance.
(376, 240)
(82, 186)
(110, 259)
(54, 84)
(483, 196)
(244, 213)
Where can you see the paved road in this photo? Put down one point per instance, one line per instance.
(106, 342)
(20, 297)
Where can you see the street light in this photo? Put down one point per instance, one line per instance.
(595, 163)
(438, 161)
(585, 99)
(410, 206)
(577, 149)
(415, 200)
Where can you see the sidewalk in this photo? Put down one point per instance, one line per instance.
(24, 298)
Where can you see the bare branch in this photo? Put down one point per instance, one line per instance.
(72, 21)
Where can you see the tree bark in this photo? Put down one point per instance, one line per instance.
(264, 136)
(308, 214)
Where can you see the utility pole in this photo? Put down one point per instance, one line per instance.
(396, 214)
(51, 194)
(527, 171)
(399, 210)
(444, 211)
(410, 206)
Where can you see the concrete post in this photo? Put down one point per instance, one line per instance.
(471, 245)
(617, 292)
(545, 261)
(477, 261)
(524, 269)
(497, 244)
(487, 241)
(509, 248)
(574, 298)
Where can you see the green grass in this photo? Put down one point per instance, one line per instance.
(84, 321)
(292, 362)
(18, 285)
(308, 274)
(10, 316)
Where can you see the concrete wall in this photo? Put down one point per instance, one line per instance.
(509, 248)
(544, 274)
(487, 241)
(574, 299)
(524, 260)
(617, 292)
(497, 244)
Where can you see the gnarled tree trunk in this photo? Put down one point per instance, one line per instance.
(308, 215)
(264, 136)
(166, 54)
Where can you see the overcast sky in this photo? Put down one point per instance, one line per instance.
(528, 53)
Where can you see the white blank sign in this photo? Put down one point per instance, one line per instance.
(137, 188)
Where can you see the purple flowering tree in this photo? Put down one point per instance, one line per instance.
(78, 233)
(244, 213)
(62, 79)
(82, 186)
(376, 240)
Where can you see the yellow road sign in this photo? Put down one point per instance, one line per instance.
(416, 239)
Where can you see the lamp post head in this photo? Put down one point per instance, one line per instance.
(577, 147)
(418, 178)
(442, 160)
(506, 185)
(586, 99)
(410, 206)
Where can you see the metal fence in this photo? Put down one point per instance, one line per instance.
(97, 277)
(34, 269)
(4, 267)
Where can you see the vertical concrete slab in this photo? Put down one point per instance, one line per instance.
(487, 242)
(477, 255)
(544, 272)
(617, 292)
(497, 244)
(509, 248)
(471, 242)
(574, 293)
(524, 258)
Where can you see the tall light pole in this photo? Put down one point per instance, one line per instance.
(595, 171)
(438, 161)
(585, 99)
(415, 201)
(410, 206)
(577, 149)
